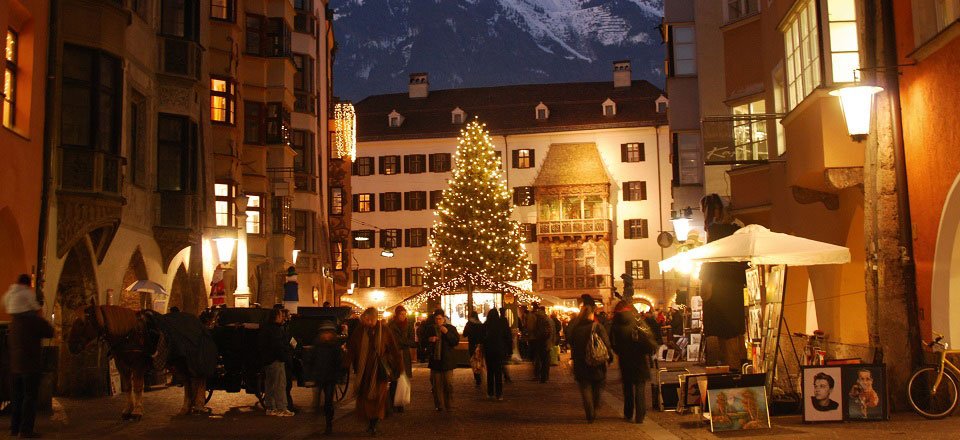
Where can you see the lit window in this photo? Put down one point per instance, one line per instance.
(336, 201)
(389, 165)
(750, 133)
(223, 100)
(844, 47)
(690, 169)
(339, 255)
(223, 193)
(222, 9)
(254, 214)
(390, 238)
(802, 49)
(639, 269)
(363, 202)
(523, 158)
(632, 152)
(683, 48)
(10, 78)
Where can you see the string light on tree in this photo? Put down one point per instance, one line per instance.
(473, 232)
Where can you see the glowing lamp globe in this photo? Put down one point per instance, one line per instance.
(225, 249)
(857, 105)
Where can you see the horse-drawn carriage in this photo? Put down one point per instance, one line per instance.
(239, 366)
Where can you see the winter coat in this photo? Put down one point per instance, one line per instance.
(403, 334)
(498, 340)
(26, 352)
(20, 298)
(445, 360)
(580, 336)
(274, 344)
(473, 331)
(328, 360)
(633, 355)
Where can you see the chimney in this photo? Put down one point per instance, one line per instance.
(622, 76)
(419, 85)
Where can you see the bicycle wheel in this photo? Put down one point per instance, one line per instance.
(928, 403)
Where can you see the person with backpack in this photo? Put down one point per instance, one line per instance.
(632, 341)
(590, 354)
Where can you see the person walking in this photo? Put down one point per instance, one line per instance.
(473, 331)
(441, 338)
(376, 360)
(590, 378)
(632, 341)
(402, 330)
(511, 347)
(541, 338)
(497, 346)
(27, 329)
(276, 352)
(327, 369)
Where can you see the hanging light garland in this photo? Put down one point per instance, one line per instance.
(345, 124)
(458, 285)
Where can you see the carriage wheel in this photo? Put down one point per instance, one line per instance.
(341, 391)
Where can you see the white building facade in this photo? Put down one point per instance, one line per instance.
(588, 163)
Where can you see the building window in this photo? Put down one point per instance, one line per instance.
(844, 44)
(303, 84)
(440, 162)
(363, 278)
(523, 196)
(336, 201)
(389, 165)
(523, 158)
(255, 34)
(394, 121)
(301, 142)
(802, 49)
(638, 269)
(277, 120)
(304, 21)
(303, 237)
(282, 215)
(90, 100)
(415, 163)
(176, 143)
(737, 9)
(633, 152)
(609, 110)
(415, 200)
(253, 122)
(457, 118)
(137, 132)
(414, 276)
(363, 166)
(222, 10)
(224, 194)
(635, 228)
(363, 239)
(363, 202)
(10, 71)
(435, 197)
(179, 18)
(688, 166)
(634, 191)
(390, 277)
(683, 51)
(574, 270)
(529, 231)
(390, 201)
(223, 100)
(254, 214)
(750, 133)
(339, 256)
(390, 238)
(662, 106)
(415, 237)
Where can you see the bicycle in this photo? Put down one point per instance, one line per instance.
(932, 390)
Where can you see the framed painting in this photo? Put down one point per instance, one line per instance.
(738, 409)
(822, 394)
(753, 285)
(691, 390)
(864, 392)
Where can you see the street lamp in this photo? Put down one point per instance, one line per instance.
(387, 252)
(224, 249)
(681, 223)
(295, 255)
(856, 102)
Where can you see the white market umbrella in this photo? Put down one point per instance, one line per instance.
(758, 245)
(146, 286)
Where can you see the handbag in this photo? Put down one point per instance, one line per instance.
(477, 361)
(596, 353)
(554, 355)
(402, 397)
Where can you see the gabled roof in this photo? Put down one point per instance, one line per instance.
(572, 164)
(510, 109)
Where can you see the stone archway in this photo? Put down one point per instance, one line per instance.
(84, 374)
(945, 287)
(12, 244)
(180, 291)
(136, 270)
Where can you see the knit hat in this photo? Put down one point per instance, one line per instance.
(588, 300)
(291, 271)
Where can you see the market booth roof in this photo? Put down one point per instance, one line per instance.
(758, 245)
(459, 284)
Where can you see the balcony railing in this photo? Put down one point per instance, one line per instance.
(571, 227)
(180, 57)
(86, 170)
(176, 210)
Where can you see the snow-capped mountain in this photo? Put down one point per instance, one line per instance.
(470, 43)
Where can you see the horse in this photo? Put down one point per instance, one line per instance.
(125, 331)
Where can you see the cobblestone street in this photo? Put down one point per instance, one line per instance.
(530, 410)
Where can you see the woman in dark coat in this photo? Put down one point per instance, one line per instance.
(375, 359)
(402, 331)
(497, 346)
(590, 379)
(633, 355)
(473, 331)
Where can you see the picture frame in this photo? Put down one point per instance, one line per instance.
(864, 392)
(691, 390)
(848, 361)
(753, 285)
(738, 408)
(822, 391)
(755, 327)
(774, 283)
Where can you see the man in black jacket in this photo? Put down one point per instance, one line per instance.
(275, 350)
(633, 342)
(441, 338)
(26, 361)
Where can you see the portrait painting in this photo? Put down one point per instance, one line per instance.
(822, 394)
(753, 285)
(864, 391)
(737, 409)
(691, 394)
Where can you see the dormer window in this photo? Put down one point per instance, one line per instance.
(662, 104)
(609, 108)
(542, 112)
(457, 116)
(395, 119)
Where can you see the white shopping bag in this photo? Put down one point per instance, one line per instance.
(402, 398)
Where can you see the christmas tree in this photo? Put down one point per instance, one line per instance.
(473, 234)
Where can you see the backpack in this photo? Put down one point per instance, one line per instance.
(596, 353)
(641, 333)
